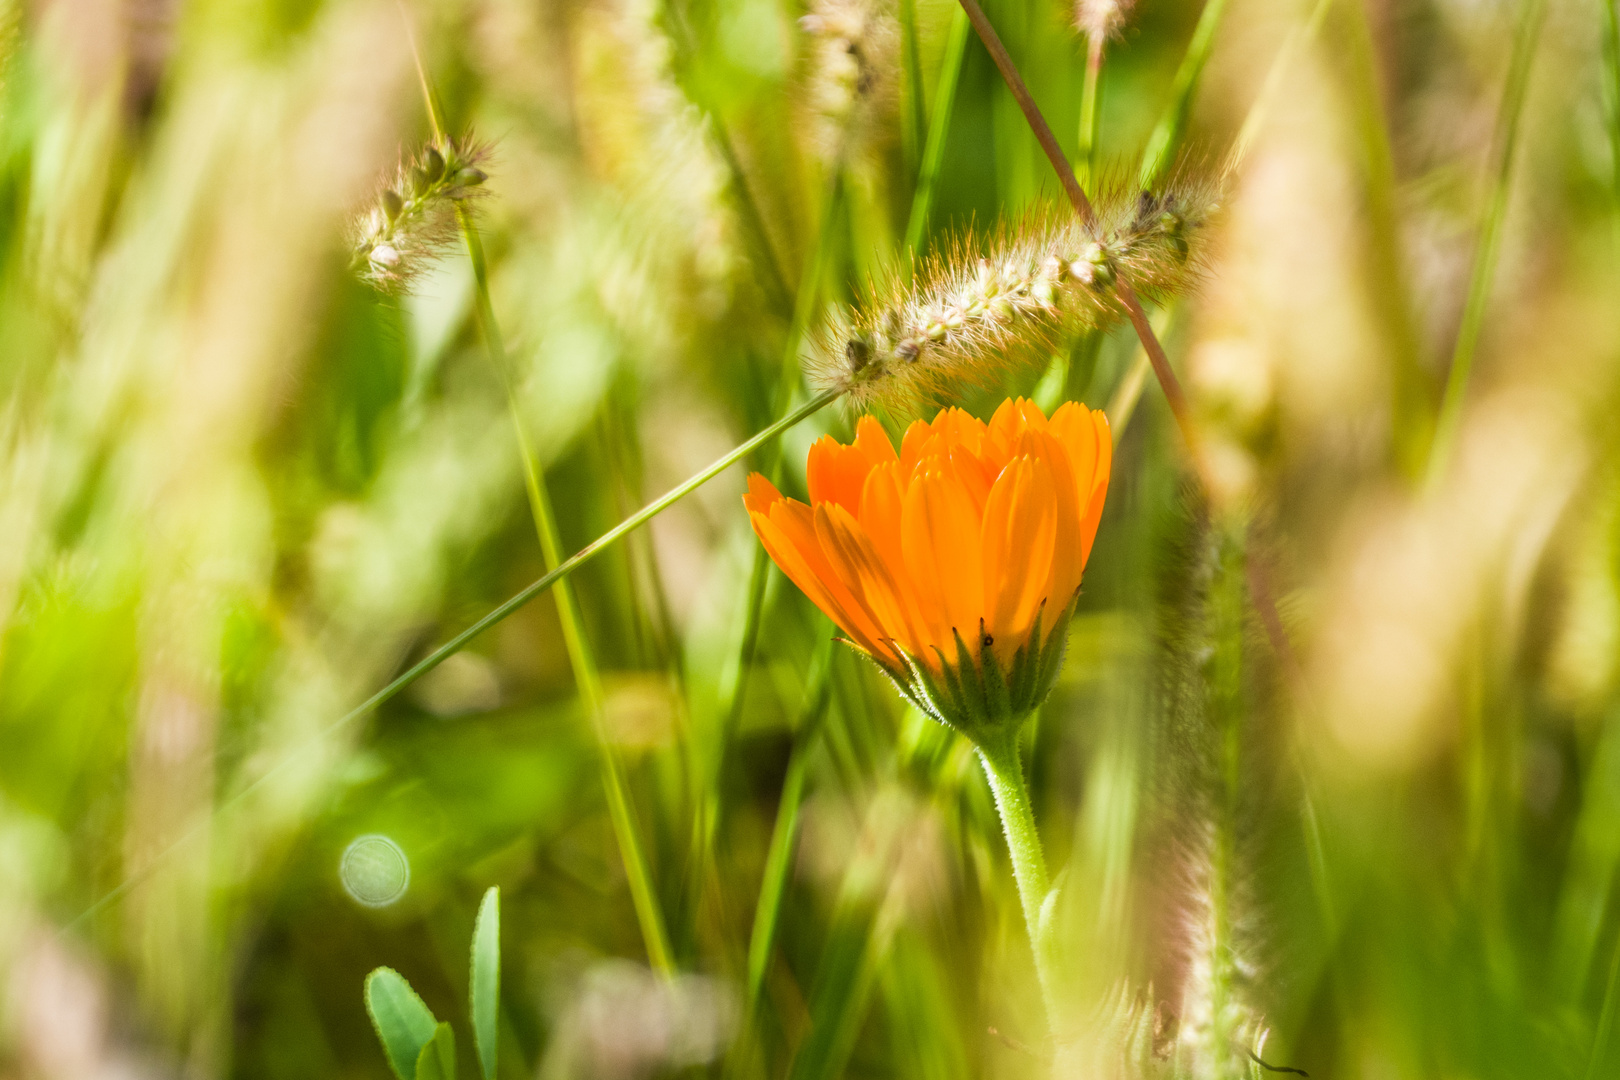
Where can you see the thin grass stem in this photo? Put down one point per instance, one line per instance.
(1122, 405)
(1611, 85)
(754, 221)
(1299, 37)
(581, 657)
(1077, 197)
(439, 655)
(939, 126)
(784, 834)
(1605, 1027)
(1490, 237)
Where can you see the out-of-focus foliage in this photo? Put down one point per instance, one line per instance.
(1375, 836)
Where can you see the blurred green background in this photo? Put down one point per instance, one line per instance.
(1375, 837)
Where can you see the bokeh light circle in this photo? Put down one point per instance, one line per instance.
(374, 870)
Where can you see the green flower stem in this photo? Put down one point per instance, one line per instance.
(1005, 772)
(1490, 237)
(581, 658)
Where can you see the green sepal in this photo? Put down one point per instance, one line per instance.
(997, 700)
(966, 675)
(1026, 664)
(977, 695)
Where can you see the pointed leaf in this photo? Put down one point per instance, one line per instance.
(437, 1061)
(486, 979)
(403, 1023)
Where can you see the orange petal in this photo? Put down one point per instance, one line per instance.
(939, 535)
(760, 495)
(1019, 538)
(792, 563)
(882, 509)
(1068, 558)
(873, 442)
(834, 472)
(1091, 514)
(911, 446)
(795, 523)
(862, 570)
(973, 474)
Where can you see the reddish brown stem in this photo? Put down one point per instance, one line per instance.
(1082, 206)
(1259, 586)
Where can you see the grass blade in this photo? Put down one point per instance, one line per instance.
(403, 1023)
(486, 979)
(437, 1060)
(939, 125)
(1168, 133)
(1490, 236)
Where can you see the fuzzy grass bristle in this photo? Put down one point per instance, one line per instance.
(850, 77)
(412, 220)
(1102, 20)
(992, 304)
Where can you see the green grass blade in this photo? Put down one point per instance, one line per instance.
(403, 1023)
(1611, 85)
(485, 984)
(1171, 128)
(939, 126)
(818, 692)
(1090, 103)
(581, 657)
(437, 1060)
(1490, 236)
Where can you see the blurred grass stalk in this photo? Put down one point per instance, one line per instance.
(632, 848)
(1483, 275)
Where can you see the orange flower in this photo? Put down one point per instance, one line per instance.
(953, 564)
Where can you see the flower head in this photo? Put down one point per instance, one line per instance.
(954, 564)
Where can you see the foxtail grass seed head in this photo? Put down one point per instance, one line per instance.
(413, 217)
(987, 307)
(1101, 20)
(955, 563)
(854, 46)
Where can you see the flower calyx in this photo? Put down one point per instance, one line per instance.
(974, 692)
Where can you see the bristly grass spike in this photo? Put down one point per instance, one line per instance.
(990, 304)
(413, 218)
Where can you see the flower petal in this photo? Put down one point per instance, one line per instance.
(939, 534)
(761, 494)
(1019, 540)
(789, 536)
(863, 571)
(1068, 559)
(1090, 446)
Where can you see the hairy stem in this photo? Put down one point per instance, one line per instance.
(1005, 772)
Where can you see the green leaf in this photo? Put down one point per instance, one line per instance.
(403, 1023)
(486, 979)
(437, 1061)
